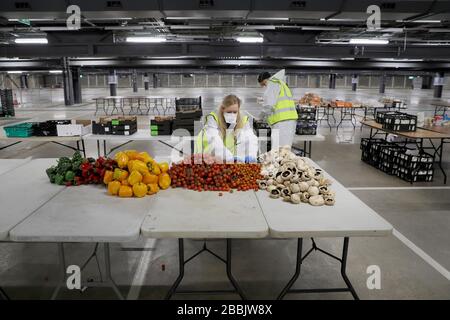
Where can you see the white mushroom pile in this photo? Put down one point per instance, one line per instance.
(291, 178)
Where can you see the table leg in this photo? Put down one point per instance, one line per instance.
(181, 270)
(104, 148)
(10, 145)
(229, 273)
(182, 262)
(84, 147)
(298, 266)
(109, 277)
(441, 148)
(62, 263)
(3, 295)
(343, 269)
(310, 149)
(342, 260)
(98, 148)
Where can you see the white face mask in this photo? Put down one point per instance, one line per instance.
(230, 118)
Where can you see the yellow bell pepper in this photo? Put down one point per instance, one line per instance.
(125, 192)
(144, 157)
(164, 166)
(135, 177)
(132, 154)
(120, 174)
(150, 178)
(108, 177)
(140, 166)
(152, 188)
(140, 190)
(130, 165)
(164, 180)
(122, 159)
(155, 168)
(113, 188)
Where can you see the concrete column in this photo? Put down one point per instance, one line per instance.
(24, 81)
(318, 81)
(146, 81)
(426, 82)
(438, 83)
(354, 82)
(77, 97)
(155, 81)
(68, 82)
(134, 80)
(112, 81)
(332, 83)
(382, 83)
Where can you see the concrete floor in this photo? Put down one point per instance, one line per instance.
(414, 262)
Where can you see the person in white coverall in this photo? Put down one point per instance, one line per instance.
(278, 108)
(228, 134)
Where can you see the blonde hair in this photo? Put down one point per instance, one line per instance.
(229, 100)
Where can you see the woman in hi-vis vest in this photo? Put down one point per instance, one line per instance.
(227, 134)
(279, 108)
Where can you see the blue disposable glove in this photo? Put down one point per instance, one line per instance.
(249, 159)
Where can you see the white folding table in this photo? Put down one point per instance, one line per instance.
(307, 142)
(349, 217)
(27, 189)
(10, 164)
(61, 141)
(186, 214)
(85, 214)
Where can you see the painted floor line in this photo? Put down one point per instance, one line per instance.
(398, 188)
(433, 263)
(141, 270)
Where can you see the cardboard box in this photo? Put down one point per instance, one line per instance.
(76, 128)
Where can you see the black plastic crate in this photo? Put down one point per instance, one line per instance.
(306, 127)
(412, 175)
(388, 167)
(188, 104)
(381, 114)
(400, 122)
(116, 132)
(165, 125)
(48, 128)
(261, 125)
(423, 161)
(100, 128)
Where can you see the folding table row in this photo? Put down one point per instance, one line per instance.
(77, 214)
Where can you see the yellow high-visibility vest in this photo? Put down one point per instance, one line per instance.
(284, 109)
(202, 145)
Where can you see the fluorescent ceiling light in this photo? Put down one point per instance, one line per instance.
(55, 71)
(31, 40)
(188, 27)
(269, 19)
(15, 20)
(368, 41)
(146, 39)
(320, 28)
(336, 19)
(250, 39)
(124, 28)
(15, 72)
(420, 21)
(323, 19)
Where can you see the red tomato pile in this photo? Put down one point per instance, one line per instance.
(208, 176)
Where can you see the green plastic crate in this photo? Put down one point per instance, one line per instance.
(21, 130)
